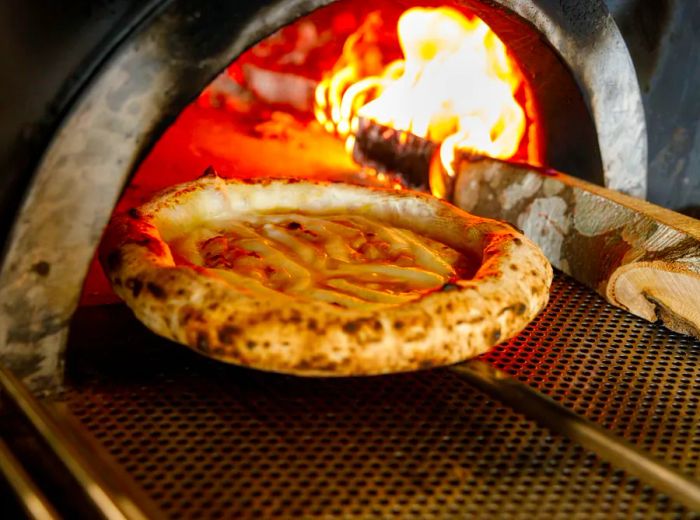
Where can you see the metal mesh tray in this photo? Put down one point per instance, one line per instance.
(207, 440)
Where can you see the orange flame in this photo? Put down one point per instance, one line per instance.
(456, 85)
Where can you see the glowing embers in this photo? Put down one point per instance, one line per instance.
(456, 85)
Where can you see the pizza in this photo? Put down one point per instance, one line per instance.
(322, 279)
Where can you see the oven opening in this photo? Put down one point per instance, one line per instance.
(380, 94)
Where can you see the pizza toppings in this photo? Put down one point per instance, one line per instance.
(318, 278)
(344, 260)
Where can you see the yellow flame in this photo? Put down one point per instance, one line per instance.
(456, 85)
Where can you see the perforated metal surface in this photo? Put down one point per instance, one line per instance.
(211, 441)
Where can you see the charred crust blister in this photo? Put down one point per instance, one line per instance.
(304, 364)
(156, 290)
(190, 314)
(317, 363)
(227, 333)
(351, 327)
(328, 366)
(134, 285)
(210, 172)
(42, 268)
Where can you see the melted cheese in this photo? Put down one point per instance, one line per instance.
(349, 261)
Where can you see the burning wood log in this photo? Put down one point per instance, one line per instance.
(640, 257)
(394, 151)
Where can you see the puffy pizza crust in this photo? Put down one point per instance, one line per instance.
(189, 305)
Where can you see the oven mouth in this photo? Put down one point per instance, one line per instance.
(316, 99)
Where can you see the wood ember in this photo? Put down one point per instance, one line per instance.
(394, 151)
(640, 257)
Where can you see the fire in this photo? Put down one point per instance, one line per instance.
(455, 85)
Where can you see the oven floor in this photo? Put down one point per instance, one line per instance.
(207, 440)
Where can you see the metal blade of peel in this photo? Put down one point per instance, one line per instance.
(602, 442)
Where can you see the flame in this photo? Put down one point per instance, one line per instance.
(455, 85)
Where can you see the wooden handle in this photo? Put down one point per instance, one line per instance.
(640, 257)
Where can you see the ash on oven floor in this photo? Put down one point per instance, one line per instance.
(207, 440)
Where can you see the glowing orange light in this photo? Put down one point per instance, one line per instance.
(456, 86)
